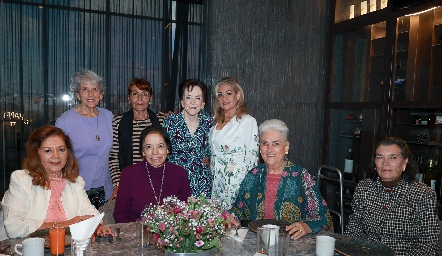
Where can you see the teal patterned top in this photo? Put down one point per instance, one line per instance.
(189, 151)
(297, 199)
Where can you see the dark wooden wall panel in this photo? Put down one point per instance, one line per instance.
(277, 50)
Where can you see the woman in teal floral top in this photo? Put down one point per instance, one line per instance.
(188, 132)
(280, 189)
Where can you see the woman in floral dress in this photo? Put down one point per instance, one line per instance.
(233, 141)
(188, 132)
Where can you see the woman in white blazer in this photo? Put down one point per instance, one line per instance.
(48, 191)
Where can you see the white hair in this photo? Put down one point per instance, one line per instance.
(274, 125)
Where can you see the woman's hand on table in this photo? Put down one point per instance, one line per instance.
(298, 230)
(102, 231)
(232, 220)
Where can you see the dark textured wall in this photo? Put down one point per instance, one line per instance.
(277, 50)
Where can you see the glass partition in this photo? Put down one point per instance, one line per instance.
(358, 65)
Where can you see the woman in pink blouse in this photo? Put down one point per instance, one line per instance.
(48, 191)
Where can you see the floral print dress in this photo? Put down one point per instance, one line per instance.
(234, 151)
(297, 198)
(189, 151)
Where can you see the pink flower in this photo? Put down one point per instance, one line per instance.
(285, 174)
(199, 243)
(255, 171)
(225, 215)
(324, 202)
(171, 229)
(240, 204)
(143, 219)
(162, 226)
(177, 209)
(199, 229)
(198, 236)
(294, 174)
(156, 236)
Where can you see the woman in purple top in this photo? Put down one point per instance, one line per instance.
(152, 180)
(90, 129)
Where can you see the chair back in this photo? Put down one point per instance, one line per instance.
(322, 176)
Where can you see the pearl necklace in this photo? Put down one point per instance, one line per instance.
(97, 138)
(157, 199)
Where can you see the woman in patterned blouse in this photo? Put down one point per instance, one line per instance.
(279, 189)
(393, 207)
(188, 131)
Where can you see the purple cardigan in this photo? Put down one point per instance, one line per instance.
(135, 190)
(92, 155)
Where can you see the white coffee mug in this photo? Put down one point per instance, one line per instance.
(31, 247)
(272, 230)
(325, 246)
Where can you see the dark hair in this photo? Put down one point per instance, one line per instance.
(32, 161)
(141, 84)
(411, 170)
(188, 86)
(158, 130)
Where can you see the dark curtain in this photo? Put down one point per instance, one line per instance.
(44, 42)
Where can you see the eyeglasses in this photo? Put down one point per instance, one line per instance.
(143, 94)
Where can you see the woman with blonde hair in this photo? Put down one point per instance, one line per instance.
(233, 141)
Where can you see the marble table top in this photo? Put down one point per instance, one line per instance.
(127, 245)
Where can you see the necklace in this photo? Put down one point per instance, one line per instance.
(224, 119)
(280, 168)
(97, 138)
(157, 199)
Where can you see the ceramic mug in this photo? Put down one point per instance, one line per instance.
(325, 246)
(271, 232)
(31, 247)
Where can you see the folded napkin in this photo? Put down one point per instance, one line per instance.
(242, 232)
(84, 229)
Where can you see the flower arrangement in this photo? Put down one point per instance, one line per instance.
(195, 226)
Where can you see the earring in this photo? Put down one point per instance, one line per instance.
(260, 151)
(403, 170)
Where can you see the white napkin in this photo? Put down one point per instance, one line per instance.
(242, 232)
(84, 229)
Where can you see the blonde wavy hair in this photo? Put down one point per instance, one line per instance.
(241, 109)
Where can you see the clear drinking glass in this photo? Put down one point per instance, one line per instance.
(81, 248)
(142, 234)
(263, 240)
(281, 245)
